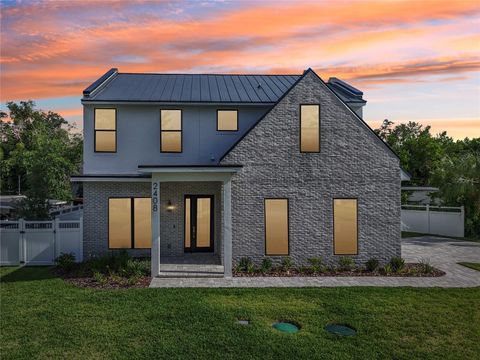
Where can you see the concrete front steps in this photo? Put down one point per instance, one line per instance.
(190, 271)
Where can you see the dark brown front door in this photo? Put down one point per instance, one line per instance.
(198, 228)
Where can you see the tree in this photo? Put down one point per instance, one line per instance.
(39, 151)
(418, 150)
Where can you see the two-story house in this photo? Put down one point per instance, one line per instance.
(235, 166)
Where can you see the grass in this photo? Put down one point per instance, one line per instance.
(407, 234)
(474, 266)
(44, 317)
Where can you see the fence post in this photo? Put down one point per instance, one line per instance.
(462, 216)
(56, 236)
(21, 240)
(428, 218)
(81, 239)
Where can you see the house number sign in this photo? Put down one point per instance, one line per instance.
(155, 197)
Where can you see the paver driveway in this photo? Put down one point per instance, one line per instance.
(442, 253)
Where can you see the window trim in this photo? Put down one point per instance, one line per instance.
(132, 222)
(181, 132)
(265, 226)
(300, 128)
(333, 224)
(236, 110)
(95, 131)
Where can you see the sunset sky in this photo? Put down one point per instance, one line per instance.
(414, 60)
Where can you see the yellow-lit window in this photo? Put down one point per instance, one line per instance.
(309, 128)
(276, 226)
(345, 231)
(227, 120)
(171, 131)
(119, 223)
(105, 130)
(129, 223)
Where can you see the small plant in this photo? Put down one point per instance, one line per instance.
(244, 264)
(371, 265)
(99, 278)
(346, 263)
(397, 264)
(266, 265)
(251, 268)
(386, 270)
(425, 266)
(287, 264)
(308, 270)
(66, 261)
(316, 264)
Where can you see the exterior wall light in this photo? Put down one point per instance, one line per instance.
(170, 206)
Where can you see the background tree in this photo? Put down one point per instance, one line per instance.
(452, 166)
(39, 152)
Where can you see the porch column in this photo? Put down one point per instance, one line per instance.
(155, 256)
(227, 228)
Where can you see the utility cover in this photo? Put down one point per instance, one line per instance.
(342, 330)
(286, 327)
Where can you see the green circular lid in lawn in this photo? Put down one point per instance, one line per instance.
(342, 330)
(286, 327)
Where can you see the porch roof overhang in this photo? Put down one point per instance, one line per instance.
(171, 173)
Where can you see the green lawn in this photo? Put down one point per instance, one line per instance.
(475, 266)
(43, 317)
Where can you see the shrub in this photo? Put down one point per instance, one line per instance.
(386, 270)
(306, 270)
(99, 277)
(425, 266)
(397, 264)
(266, 265)
(245, 264)
(287, 264)
(316, 264)
(66, 261)
(371, 265)
(346, 263)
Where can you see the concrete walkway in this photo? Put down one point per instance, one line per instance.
(441, 252)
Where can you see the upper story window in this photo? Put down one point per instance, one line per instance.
(171, 131)
(227, 120)
(309, 128)
(105, 130)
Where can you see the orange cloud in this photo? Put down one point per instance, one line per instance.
(60, 55)
(456, 128)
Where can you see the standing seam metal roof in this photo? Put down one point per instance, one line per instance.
(191, 88)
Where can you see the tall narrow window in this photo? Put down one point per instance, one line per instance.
(105, 130)
(227, 120)
(171, 131)
(129, 223)
(345, 231)
(276, 226)
(309, 128)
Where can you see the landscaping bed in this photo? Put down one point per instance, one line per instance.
(345, 267)
(110, 271)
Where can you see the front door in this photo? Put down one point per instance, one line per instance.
(198, 223)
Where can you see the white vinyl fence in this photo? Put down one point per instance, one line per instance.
(39, 242)
(437, 220)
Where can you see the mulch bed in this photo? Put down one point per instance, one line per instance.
(81, 280)
(409, 270)
(91, 283)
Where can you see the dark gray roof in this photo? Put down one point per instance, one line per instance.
(189, 88)
(201, 88)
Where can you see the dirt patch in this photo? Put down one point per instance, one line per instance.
(107, 282)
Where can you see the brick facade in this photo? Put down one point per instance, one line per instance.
(96, 195)
(352, 163)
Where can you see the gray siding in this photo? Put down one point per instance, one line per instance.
(138, 137)
(352, 163)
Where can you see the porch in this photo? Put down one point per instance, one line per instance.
(191, 266)
(191, 220)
